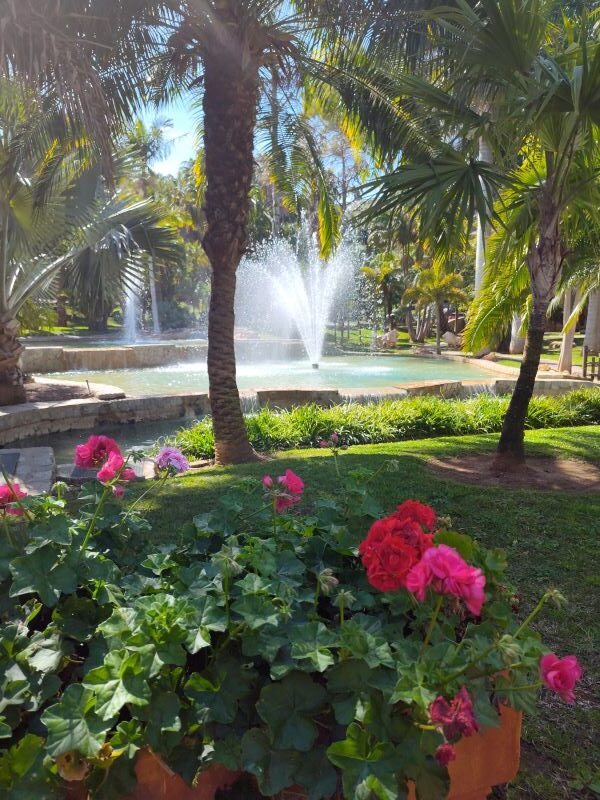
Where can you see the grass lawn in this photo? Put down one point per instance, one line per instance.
(551, 539)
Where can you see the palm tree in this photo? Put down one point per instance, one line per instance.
(433, 286)
(382, 273)
(230, 48)
(149, 144)
(545, 86)
(54, 215)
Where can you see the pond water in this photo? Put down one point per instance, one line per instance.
(336, 372)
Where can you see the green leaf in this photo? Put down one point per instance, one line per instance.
(317, 775)
(431, 780)
(73, 724)
(217, 692)
(274, 769)
(45, 653)
(463, 544)
(129, 737)
(312, 641)
(368, 766)
(288, 707)
(54, 529)
(78, 617)
(162, 716)
(43, 574)
(362, 636)
(122, 679)
(256, 611)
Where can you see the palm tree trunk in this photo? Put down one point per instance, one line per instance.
(592, 325)
(565, 360)
(544, 262)
(12, 389)
(517, 342)
(153, 297)
(229, 103)
(483, 229)
(438, 329)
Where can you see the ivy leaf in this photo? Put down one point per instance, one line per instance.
(129, 738)
(312, 641)
(211, 617)
(122, 679)
(73, 724)
(347, 681)
(42, 574)
(162, 716)
(288, 707)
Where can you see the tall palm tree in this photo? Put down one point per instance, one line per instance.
(544, 82)
(149, 144)
(433, 286)
(228, 50)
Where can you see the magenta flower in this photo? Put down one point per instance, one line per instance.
(445, 754)
(8, 496)
(561, 675)
(95, 451)
(172, 458)
(292, 482)
(447, 572)
(456, 717)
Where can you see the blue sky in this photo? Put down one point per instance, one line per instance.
(182, 134)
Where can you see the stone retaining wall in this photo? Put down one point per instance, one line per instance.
(41, 360)
(35, 419)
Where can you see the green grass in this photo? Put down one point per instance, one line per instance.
(550, 538)
(393, 420)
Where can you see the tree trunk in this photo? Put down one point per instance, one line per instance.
(544, 263)
(229, 103)
(12, 390)
(517, 342)
(592, 325)
(153, 297)
(438, 329)
(565, 361)
(483, 229)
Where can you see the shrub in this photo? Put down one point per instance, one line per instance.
(326, 646)
(394, 420)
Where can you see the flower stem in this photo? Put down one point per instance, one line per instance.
(6, 530)
(95, 516)
(432, 622)
(146, 492)
(16, 500)
(532, 616)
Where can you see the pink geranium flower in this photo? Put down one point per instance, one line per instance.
(561, 675)
(456, 717)
(267, 481)
(446, 572)
(292, 482)
(118, 490)
(111, 468)
(8, 496)
(95, 451)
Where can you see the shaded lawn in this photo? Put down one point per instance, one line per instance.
(550, 538)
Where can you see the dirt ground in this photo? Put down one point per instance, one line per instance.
(550, 474)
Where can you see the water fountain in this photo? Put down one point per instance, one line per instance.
(282, 288)
(130, 315)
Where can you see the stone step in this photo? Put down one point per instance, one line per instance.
(33, 467)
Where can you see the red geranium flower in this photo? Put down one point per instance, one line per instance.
(414, 511)
(388, 559)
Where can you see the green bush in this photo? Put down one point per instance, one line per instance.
(394, 420)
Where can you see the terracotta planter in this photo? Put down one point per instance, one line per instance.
(488, 758)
